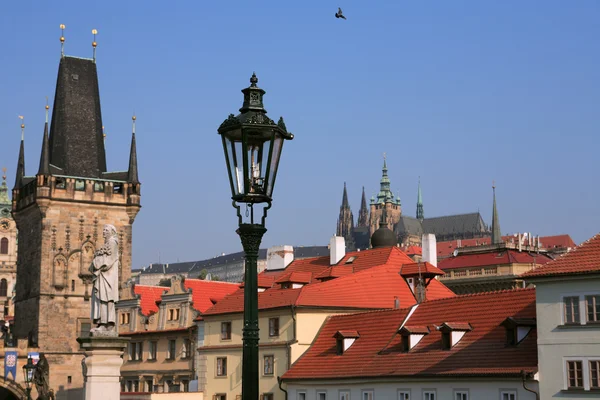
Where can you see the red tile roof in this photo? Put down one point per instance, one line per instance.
(445, 249)
(303, 277)
(424, 268)
(335, 272)
(413, 250)
(493, 257)
(584, 259)
(378, 352)
(370, 288)
(206, 293)
(149, 297)
(346, 334)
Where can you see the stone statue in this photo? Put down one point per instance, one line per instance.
(41, 379)
(105, 292)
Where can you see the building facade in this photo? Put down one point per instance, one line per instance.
(60, 212)
(8, 253)
(568, 323)
(162, 324)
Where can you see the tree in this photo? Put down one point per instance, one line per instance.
(202, 274)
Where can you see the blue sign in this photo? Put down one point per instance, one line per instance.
(10, 364)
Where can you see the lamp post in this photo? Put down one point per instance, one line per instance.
(28, 370)
(252, 144)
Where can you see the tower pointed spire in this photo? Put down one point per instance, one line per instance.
(420, 214)
(345, 197)
(132, 174)
(21, 159)
(385, 195)
(496, 234)
(45, 156)
(363, 215)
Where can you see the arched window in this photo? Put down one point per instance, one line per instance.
(3, 287)
(4, 246)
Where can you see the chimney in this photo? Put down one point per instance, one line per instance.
(429, 248)
(396, 302)
(279, 257)
(520, 243)
(337, 249)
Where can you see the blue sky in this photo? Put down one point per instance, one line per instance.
(460, 93)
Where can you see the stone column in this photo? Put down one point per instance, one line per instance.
(102, 366)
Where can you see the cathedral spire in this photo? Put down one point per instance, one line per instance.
(496, 234)
(363, 215)
(21, 160)
(132, 174)
(345, 198)
(385, 195)
(45, 156)
(420, 215)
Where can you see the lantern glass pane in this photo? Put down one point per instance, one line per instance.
(238, 171)
(277, 146)
(256, 179)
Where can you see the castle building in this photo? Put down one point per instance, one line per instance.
(60, 213)
(8, 253)
(408, 230)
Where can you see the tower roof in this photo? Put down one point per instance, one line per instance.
(420, 214)
(345, 203)
(21, 160)
(4, 189)
(385, 194)
(132, 174)
(45, 156)
(496, 235)
(76, 143)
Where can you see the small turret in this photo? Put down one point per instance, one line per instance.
(132, 172)
(21, 159)
(420, 214)
(45, 156)
(496, 234)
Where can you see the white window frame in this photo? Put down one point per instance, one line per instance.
(582, 306)
(368, 394)
(509, 392)
(585, 371)
(344, 394)
(429, 392)
(403, 393)
(461, 392)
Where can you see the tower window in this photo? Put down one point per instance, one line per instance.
(4, 246)
(3, 288)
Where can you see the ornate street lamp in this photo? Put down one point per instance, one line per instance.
(252, 144)
(28, 370)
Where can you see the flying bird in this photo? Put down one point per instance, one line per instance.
(339, 14)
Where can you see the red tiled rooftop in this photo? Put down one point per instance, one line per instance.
(149, 296)
(493, 257)
(336, 271)
(378, 352)
(368, 289)
(584, 259)
(414, 269)
(413, 250)
(206, 293)
(303, 277)
(445, 249)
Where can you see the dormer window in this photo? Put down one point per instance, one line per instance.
(350, 260)
(452, 332)
(517, 329)
(344, 339)
(411, 336)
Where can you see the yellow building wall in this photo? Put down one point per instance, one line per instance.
(285, 348)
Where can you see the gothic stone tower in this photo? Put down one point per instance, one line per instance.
(345, 225)
(385, 200)
(60, 213)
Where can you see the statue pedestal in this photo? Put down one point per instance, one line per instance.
(102, 366)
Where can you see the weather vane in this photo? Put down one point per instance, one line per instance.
(62, 40)
(94, 44)
(133, 118)
(47, 107)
